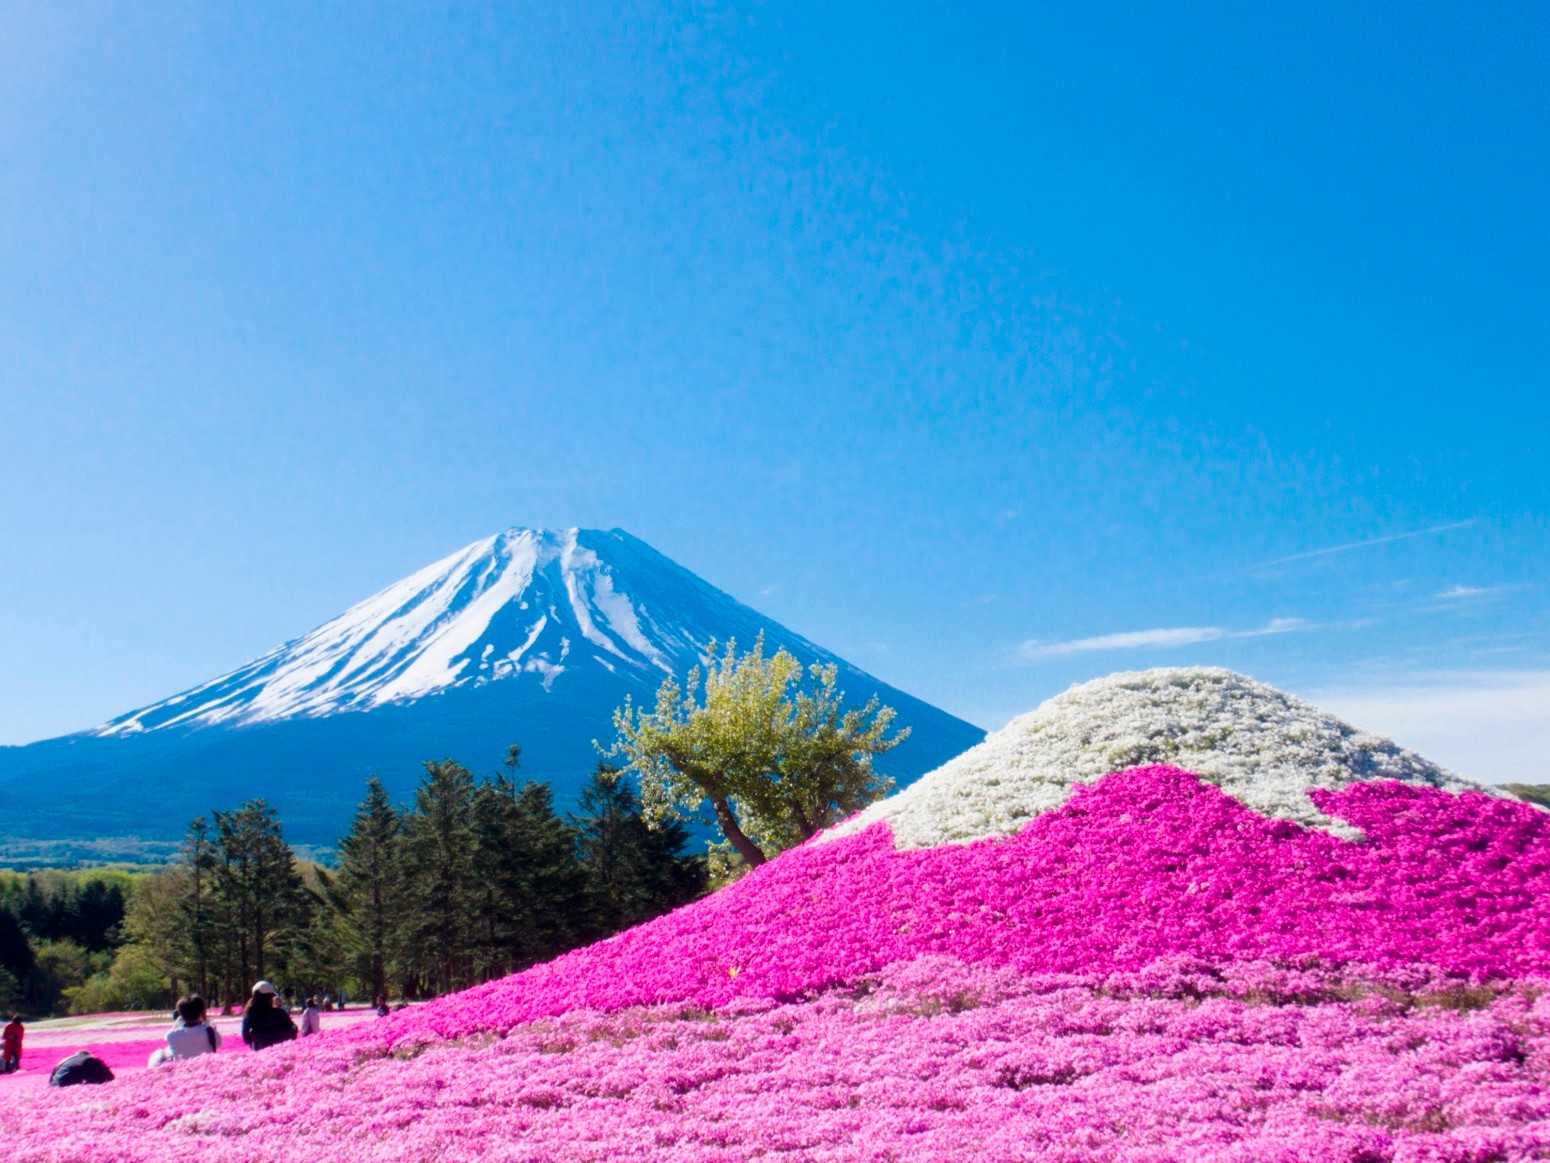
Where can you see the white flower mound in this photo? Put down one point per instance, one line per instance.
(1259, 745)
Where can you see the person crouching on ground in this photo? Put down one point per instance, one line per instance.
(11, 1045)
(265, 1024)
(311, 1018)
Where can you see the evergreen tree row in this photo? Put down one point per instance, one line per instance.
(482, 878)
(472, 880)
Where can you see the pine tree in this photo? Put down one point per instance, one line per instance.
(198, 860)
(501, 870)
(531, 890)
(98, 909)
(633, 872)
(440, 840)
(368, 887)
(556, 912)
(258, 880)
(16, 956)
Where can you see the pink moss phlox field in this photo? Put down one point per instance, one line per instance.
(120, 1055)
(1152, 970)
(929, 1060)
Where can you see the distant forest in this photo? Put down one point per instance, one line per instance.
(471, 880)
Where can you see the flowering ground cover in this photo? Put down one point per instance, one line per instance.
(932, 1060)
(1151, 971)
(125, 1041)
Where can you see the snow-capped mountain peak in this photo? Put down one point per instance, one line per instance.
(524, 604)
(530, 636)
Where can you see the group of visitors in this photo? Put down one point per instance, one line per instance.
(265, 1023)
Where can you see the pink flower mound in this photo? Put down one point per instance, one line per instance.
(1146, 863)
(1199, 1013)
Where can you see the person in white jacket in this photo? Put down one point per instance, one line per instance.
(191, 1035)
(311, 1018)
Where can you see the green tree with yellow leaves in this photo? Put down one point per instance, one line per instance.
(770, 750)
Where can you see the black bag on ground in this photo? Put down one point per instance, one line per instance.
(78, 1069)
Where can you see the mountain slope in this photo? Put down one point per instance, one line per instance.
(529, 636)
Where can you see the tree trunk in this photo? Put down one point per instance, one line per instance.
(805, 828)
(745, 847)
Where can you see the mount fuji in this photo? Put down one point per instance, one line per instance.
(529, 636)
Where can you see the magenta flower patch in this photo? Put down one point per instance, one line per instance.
(1149, 970)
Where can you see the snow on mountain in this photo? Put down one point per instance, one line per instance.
(529, 636)
(526, 602)
(1261, 746)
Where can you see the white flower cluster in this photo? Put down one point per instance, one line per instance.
(1259, 745)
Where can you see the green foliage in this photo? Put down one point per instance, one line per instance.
(1530, 792)
(233, 908)
(475, 879)
(368, 891)
(315, 954)
(133, 982)
(532, 903)
(57, 905)
(257, 883)
(633, 871)
(723, 865)
(58, 965)
(57, 927)
(10, 990)
(161, 925)
(483, 877)
(774, 760)
(439, 844)
(15, 949)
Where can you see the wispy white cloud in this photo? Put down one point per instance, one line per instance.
(1274, 626)
(1129, 640)
(1329, 550)
(1161, 638)
(1469, 593)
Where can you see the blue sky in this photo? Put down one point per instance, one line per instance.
(995, 347)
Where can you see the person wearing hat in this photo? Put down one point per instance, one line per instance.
(265, 1024)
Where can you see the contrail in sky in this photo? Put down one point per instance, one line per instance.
(1364, 544)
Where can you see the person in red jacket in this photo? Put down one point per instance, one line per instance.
(11, 1045)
